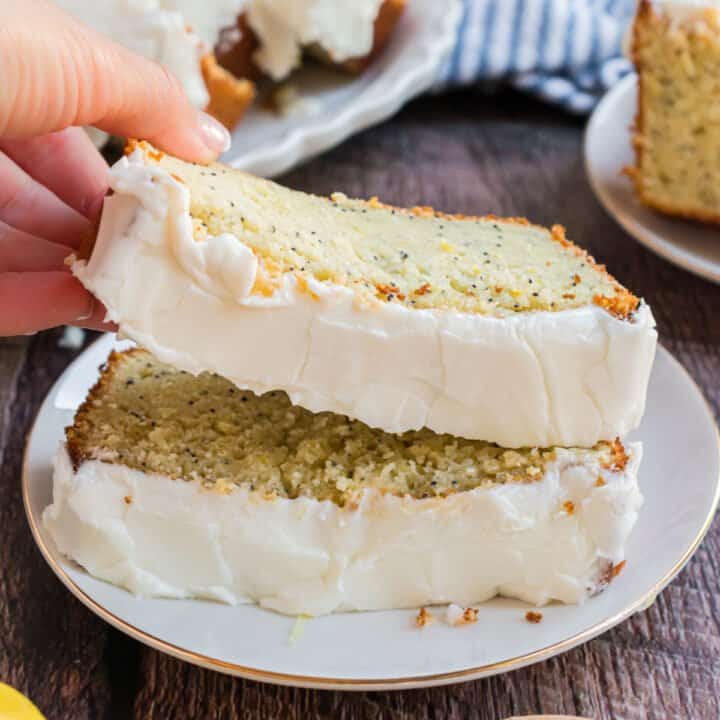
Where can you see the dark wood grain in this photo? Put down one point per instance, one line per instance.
(462, 153)
(50, 646)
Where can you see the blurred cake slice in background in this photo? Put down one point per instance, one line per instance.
(276, 43)
(676, 50)
(180, 34)
(346, 35)
(219, 48)
(386, 20)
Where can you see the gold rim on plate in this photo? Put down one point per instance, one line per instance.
(328, 683)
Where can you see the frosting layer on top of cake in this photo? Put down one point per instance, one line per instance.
(343, 28)
(570, 377)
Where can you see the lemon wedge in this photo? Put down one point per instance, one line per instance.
(15, 706)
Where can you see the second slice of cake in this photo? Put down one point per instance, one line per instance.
(482, 328)
(180, 486)
(676, 51)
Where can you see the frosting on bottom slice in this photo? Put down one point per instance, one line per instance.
(183, 486)
(559, 538)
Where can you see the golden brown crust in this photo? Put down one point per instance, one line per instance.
(667, 209)
(230, 97)
(622, 304)
(423, 618)
(148, 150)
(235, 50)
(229, 71)
(469, 616)
(237, 57)
(74, 434)
(388, 16)
(619, 458)
(643, 14)
(387, 19)
(610, 573)
(646, 14)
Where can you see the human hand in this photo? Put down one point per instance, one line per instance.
(55, 75)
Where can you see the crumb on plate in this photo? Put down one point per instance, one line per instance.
(456, 615)
(424, 617)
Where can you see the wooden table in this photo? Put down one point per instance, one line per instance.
(465, 153)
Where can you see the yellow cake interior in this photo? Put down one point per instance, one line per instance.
(150, 417)
(678, 128)
(417, 257)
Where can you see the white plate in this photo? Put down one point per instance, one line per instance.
(375, 650)
(339, 106)
(690, 245)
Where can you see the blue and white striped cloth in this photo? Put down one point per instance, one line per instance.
(568, 52)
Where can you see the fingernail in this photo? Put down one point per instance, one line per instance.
(214, 134)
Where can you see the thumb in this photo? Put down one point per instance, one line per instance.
(58, 73)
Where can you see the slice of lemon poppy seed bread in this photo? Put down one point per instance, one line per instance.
(480, 327)
(185, 486)
(676, 51)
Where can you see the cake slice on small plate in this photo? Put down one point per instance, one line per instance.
(676, 51)
(176, 485)
(181, 35)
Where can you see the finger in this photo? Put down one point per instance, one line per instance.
(96, 321)
(20, 251)
(67, 163)
(29, 206)
(80, 77)
(36, 301)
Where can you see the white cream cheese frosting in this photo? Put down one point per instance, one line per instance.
(343, 28)
(554, 539)
(206, 18)
(176, 33)
(568, 378)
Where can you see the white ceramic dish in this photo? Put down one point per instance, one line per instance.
(383, 650)
(690, 245)
(337, 106)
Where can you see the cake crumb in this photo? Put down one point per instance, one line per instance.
(456, 615)
(615, 570)
(424, 617)
(569, 507)
(533, 617)
(600, 482)
(128, 499)
(619, 458)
